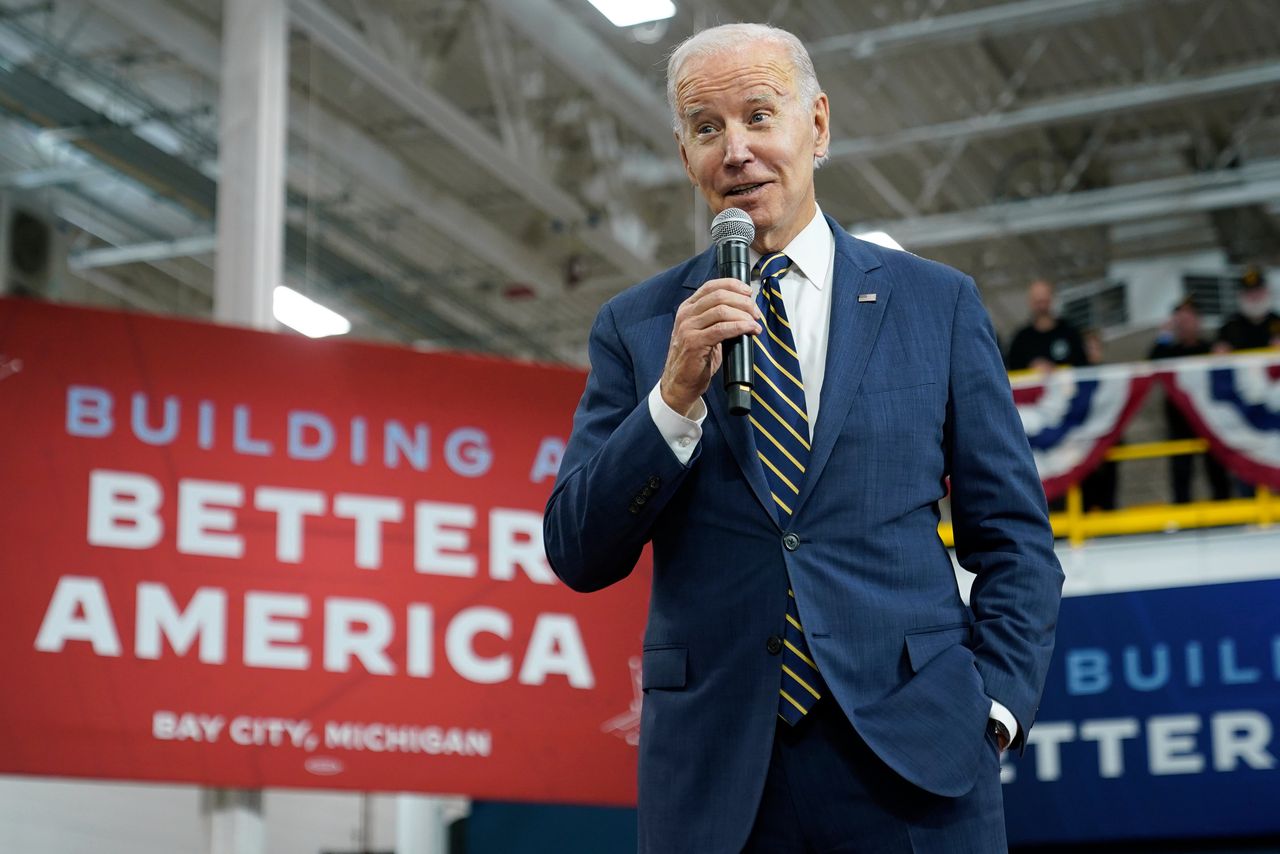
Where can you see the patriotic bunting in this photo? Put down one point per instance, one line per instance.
(1235, 404)
(1073, 416)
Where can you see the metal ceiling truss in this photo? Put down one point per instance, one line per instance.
(121, 150)
(1070, 109)
(627, 99)
(191, 276)
(1255, 183)
(159, 250)
(498, 58)
(999, 19)
(49, 176)
(201, 50)
(626, 128)
(467, 136)
(592, 64)
(349, 146)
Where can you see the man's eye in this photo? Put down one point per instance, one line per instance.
(758, 117)
(704, 129)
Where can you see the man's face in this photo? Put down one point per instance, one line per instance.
(1186, 324)
(1255, 303)
(748, 141)
(1040, 299)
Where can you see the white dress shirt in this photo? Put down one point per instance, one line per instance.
(806, 293)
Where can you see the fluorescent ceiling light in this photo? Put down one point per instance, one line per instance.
(880, 238)
(628, 13)
(306, 315)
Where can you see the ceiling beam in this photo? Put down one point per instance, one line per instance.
(347, 145)
(50, 176)
(1256, 183)
(592, 64)
(435, 111)
(439, 114)
(142, 253)
(1074, 108)
(1001, 19)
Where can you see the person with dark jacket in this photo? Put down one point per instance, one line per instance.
(1047, 340)
(1255, 325)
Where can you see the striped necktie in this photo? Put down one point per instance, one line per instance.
(781, 428)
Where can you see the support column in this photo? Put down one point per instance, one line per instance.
(235, 821)
(420, 825)
(250, 257)
(251, 151)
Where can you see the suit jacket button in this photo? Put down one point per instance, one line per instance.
(655, 482)
(773, 645)
(790, 541)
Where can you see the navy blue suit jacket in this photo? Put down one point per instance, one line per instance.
(914, 392)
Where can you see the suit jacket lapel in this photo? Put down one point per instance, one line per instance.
(735, 429)
(852, 337)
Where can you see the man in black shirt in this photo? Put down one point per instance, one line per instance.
(1044, 343)
(1047, 340)
(1254, 325)
(1184, 339)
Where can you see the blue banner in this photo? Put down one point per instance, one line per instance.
(1158, 719)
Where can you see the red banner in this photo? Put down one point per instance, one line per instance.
(245, 559)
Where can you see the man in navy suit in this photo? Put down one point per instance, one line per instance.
(813, 679)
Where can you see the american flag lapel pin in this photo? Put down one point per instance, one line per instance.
(866, 297)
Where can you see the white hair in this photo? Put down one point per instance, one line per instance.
(730, 37)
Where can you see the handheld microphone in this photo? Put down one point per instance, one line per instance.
(732, 232)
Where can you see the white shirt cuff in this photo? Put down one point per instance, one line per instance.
(682, 434)
(1005, 717)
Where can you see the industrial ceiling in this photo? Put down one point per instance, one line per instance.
(482, 174)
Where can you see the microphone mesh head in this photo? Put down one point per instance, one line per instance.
(732, 224)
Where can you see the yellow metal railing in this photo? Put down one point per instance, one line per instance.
(1077, 525)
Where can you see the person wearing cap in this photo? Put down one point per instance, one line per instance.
(1254, 325)
(813, 680)
(1184, 339)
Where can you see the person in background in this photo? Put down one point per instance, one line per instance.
(1255, 324)
(1047, 340)
(1094, 348)
(1185, 339)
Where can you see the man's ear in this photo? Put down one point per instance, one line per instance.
(821, 125)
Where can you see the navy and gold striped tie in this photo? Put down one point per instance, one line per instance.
(782, 434)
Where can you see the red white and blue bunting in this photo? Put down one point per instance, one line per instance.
(1235, 404)
(1073, 416)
